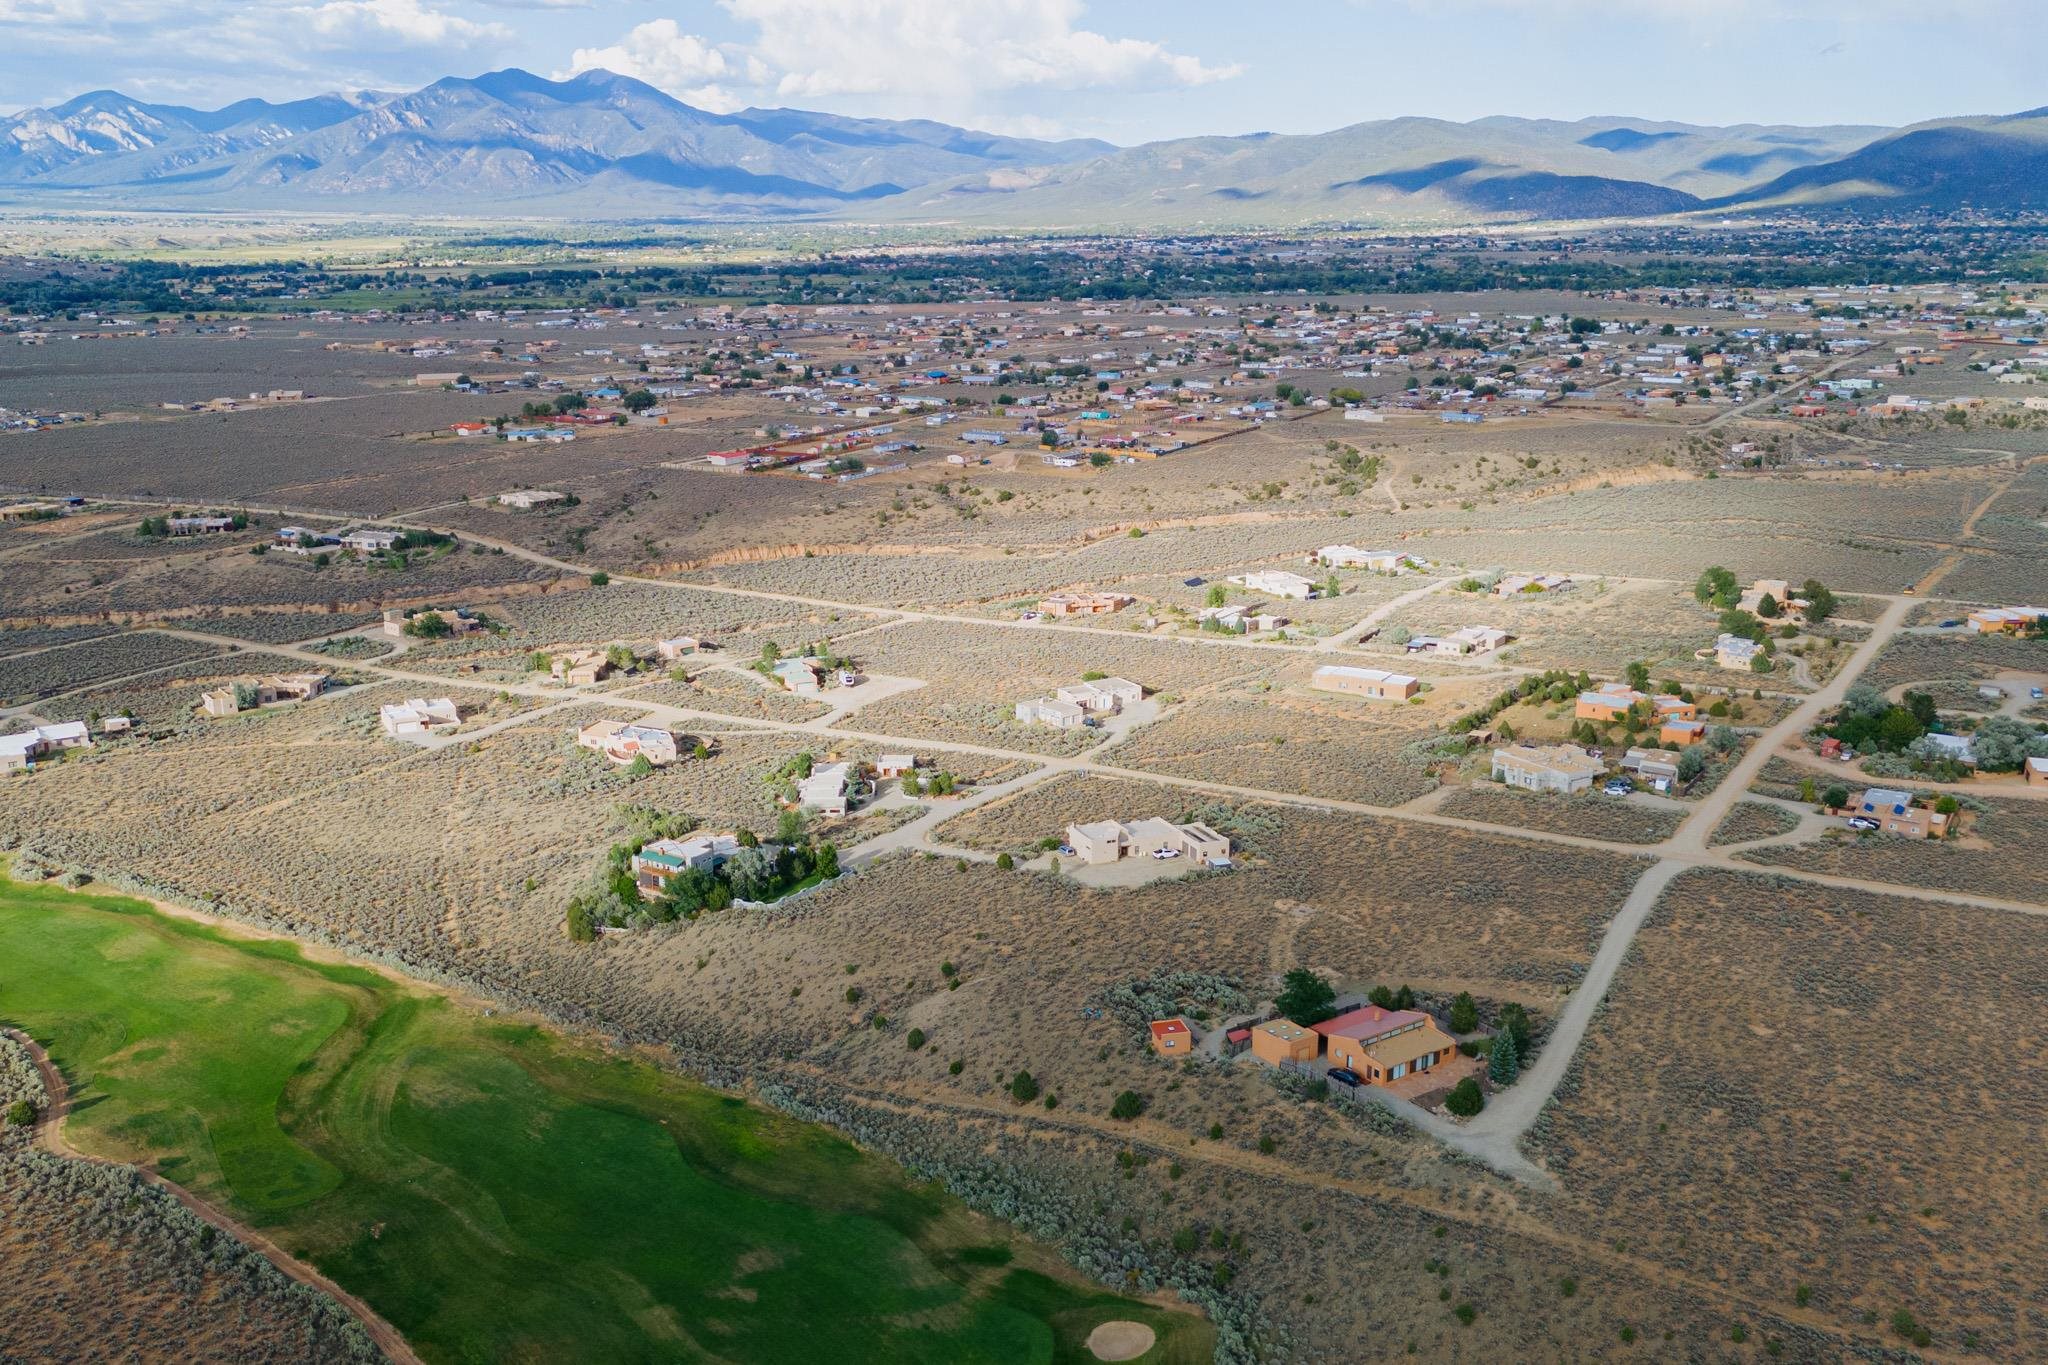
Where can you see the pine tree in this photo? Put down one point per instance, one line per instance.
(1503, 1064)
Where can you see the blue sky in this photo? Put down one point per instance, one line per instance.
(1127, 70)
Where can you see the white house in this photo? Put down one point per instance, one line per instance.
(623, 741)
(419, 716)
(19, 752)
(1736, 652)
(798, 675)
(1103, 696)
(826, 789)
(1061, 715)
(1351, 557)
(1277, 583)
(1107, 841)
(526, 499)
(1376, 684)
(370, 540)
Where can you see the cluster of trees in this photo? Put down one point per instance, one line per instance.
(161, 525)
(1870, 724)
(759, 871)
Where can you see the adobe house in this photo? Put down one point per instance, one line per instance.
(1384, 1045)
(1283, 1040)
(1172, 1037)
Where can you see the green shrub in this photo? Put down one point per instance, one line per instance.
(1465, 1098)
(1127, 1105)
(915, 1038)
(21, 1113)
(1023, 1088)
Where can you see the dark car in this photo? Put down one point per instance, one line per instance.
(1193, 582)
(1345, 1076)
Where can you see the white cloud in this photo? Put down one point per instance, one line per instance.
(357, 21)
(664, 56)
(952, 50)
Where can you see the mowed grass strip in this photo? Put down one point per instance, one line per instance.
(498, 1192)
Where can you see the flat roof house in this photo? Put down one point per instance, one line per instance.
(580, 668)
(1384, 1045)
(827, 789)
(1895, 813)
(526, 499)
(1172, 1037)
(895, 765)
(1061, 715)
(798, 675)
(1083, 603)
(656, 862)
(419, 716)
(1375, 684)
(1107, 841)
(369, 540)
(19, 752)
(1102, 696)
(1658, 767)
(1351, 557)
(623, 741)
(1736, 652)
(1606, 703)
(1465, 640)
(1511, 584)
(1282, 1040)
(1560, 768)
(1680, 734)
(2006, 620)
(1277, 583)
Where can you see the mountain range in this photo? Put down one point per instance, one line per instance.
(601, 145)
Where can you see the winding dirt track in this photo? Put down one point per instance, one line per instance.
(49, 1135)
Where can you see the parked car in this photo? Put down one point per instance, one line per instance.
(1067, 850)
(1028, 616)
(2036, 693)
(1950, 624)
(1192, 582)
(1863, 822)
(1344, 1075)
(1166, 853)
(848, 678)
(1620, 786)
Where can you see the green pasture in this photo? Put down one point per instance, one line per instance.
(498, 1192)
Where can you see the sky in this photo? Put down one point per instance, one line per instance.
(1124, 70)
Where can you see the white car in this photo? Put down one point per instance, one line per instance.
(847, 677)
(1166, 853)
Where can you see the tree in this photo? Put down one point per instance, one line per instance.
(1768, 608)
(1835, 797)
(1820, 603)
(600, 579)
(828, 861)
(1023, 1089)
(915, 1038)
(1305, 997)
(639, 400)
(1723, 739)
(1217, 595)
(1716, 588)
(1464, 1013)
(1503, 1061)
(751, 873)
(578, 924)
(1127, 1105)
(1004, 862)
(2003, 744)
(1639, 675)
(1465, 1099)
(789, 826)
(1514, 1021)
(1691, 764)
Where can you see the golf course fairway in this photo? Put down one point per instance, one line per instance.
(497, 1191)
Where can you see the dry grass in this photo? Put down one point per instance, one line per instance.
(1590, 814)
(1792, 1085)
(1750, 820)
(24, 678)
(2001, 853)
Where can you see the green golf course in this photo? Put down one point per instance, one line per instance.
(499, 1192)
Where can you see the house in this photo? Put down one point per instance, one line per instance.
(2035, 769)
(1107, 841)
(1681, 734)
(199, 526)
(656, 862)
(526, 499)
(19, 752)
(895, 765)
(249, 693)
(1061, 715)
(668, 651)
(1956, 747)
(1375, 684)
(1384, 1045)
(798, 675)
(624, 741)
(1236, 617)
(370, 540)
(1778, 590)
(460, 622)
(1467, 640)
(117, 725)
(1895, 813)
(1514, 583)
(826, 790)
(580, 668)
(2006, 620)
(1351, 557)
(1606, 703)
(1560, 768)
(1736, 652)
(1277, 583)
(1083, 603)
(1658, 767)
(419, 716)
(1665, 706)
(1278, 1041)
(1103, 696)
(1172, 1037)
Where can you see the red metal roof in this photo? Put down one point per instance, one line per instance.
(1163, 1027)
(1369, 1023)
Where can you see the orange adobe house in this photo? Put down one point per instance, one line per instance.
(1283, 1040)
(1606, 704)
(1172, 1038)
(1384, 1045)
(1680, 734)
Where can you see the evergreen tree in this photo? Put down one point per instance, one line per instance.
(1464, 1013)
(1503, 1062)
